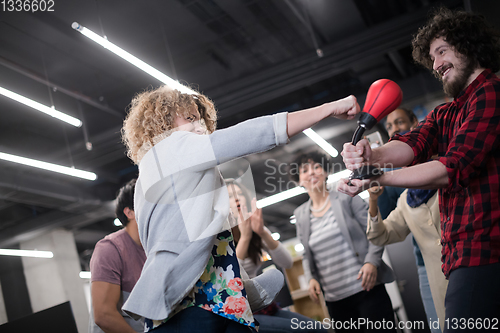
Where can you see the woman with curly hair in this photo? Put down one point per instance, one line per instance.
(251, 237)
(191, 281)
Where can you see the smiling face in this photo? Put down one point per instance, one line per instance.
(312, 176)
(398, 121)
(453, 69)
(190, 122)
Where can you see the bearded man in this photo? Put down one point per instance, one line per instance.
(464, 53)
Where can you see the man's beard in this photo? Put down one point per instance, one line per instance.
(454, 86)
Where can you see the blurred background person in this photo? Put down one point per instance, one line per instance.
(416, 213)
(115, 267)
(252, 237)
(338, 258)
(400, 121)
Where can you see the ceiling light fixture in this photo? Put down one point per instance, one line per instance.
(293, 192)
(280, 197)
(321, 142)
(42, 108)
(48, 166)
(26, 253)
(85, 275)
(132, 59)
(335, 177)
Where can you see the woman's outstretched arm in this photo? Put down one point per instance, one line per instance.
(346, 108)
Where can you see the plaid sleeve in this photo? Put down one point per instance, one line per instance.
(477, 138)
(423, 140)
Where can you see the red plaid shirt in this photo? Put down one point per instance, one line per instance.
(466, 136)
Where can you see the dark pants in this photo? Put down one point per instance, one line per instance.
(473, 295)
(198, 320)
(287, 321)
(373, 307)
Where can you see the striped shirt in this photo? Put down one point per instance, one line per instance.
(337, 265)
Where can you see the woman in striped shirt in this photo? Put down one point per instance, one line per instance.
(338, 258)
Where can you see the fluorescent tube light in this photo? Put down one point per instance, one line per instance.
(85, 275)
(299, 190)
(132, 59)
(42, 108)
(48, 166)
(339, 175)
(26, 253)
(280, 196)
(117, 222)
(321, 142)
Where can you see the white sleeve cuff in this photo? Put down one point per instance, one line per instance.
(280, 126)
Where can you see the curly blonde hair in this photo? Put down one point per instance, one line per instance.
(151, 118)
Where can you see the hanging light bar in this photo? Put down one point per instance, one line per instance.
(85, 275)
(338, 175)
(132, 59)
(321, 142)
(26, 253)
(48, 166)
(280, 196)
(293, 192)
(42, 108)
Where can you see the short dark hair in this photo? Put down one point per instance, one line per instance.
(410, 114)
(468, 33)
(125, 198)
(304, 158)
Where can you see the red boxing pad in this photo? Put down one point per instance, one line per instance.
(383, 97)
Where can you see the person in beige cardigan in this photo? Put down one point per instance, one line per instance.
(424, 223)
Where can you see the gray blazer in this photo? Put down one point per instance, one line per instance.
(181, 203)
(351, 214)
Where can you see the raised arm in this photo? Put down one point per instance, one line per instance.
(245, 229)
(345, 108)
(279, 254)
(195, 152)
(391, 230)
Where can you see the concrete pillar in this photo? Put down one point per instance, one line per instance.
(56, 280)
(3, 312)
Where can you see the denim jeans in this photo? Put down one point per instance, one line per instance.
(425, 293)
